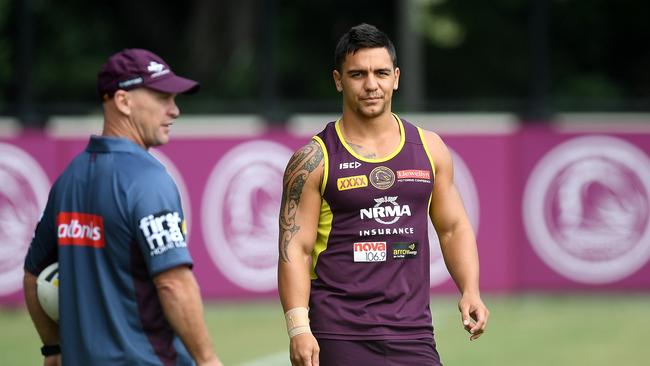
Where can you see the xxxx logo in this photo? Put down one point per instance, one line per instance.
(357, 181)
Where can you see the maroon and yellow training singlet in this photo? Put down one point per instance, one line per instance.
(370, 274)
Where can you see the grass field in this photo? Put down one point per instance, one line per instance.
(526, 330)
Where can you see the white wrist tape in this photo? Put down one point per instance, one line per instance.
(297, 321)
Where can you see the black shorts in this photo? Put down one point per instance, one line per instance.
(393, 352)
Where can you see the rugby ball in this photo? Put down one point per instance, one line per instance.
(47, 290)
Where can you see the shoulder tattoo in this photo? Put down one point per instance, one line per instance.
(301, 165)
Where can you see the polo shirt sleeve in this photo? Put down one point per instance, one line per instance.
(160, 223)
(43, 249)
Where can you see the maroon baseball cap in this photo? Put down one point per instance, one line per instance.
(134, 68)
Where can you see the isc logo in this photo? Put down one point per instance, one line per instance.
(75, 228)
(349, 165)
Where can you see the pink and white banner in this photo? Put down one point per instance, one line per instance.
(584, 210)
(552, 210)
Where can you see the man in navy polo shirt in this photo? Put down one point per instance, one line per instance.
(114, 223)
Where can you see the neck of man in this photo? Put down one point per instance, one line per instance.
(371, 137)
(358, 126)
(119, 125)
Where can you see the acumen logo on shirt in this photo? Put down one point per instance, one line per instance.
(76, 228)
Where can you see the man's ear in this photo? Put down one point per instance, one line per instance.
(123, 102)
(337, 80)
(396, 85)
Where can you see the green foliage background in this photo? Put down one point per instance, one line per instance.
(476, 54)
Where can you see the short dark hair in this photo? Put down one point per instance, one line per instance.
(362, 36)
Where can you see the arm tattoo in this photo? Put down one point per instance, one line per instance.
(303, 162)
(360, 150)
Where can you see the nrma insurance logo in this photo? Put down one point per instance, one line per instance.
(386, 210)
(586, 209)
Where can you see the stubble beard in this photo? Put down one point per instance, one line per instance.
(159, 138)
(371, 111)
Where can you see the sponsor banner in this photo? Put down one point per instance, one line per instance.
(240, 205)
(551, 210)
(27, 166)
(585, 210)
(486, 188)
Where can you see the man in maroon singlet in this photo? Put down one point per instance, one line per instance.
(353, 273)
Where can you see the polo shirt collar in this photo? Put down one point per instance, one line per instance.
(111, 143)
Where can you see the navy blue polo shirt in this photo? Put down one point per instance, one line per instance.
(113, 221)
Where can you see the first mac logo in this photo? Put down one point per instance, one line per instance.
(163, 231)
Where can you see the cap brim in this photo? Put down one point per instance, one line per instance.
(174, 85)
